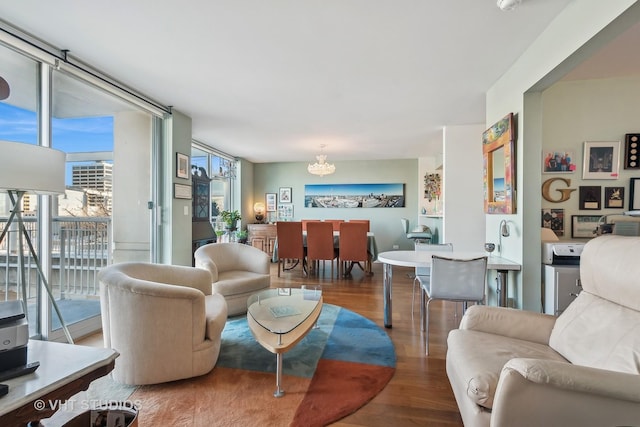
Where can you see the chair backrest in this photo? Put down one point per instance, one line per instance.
(441, 247)
(405, 225)
(290, 243)
(456, 279)
(365, 221)
(307, 221)
(335, 223)
(353, 241)
(320, 241)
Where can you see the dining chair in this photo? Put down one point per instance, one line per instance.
(460, 280)
(422, 235)
(320, 246)
(335, 223)
(290, 244)
(366, 221)
(425, 272)
(353, 246)
(307, 221)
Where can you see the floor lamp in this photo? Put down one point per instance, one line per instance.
(30, 169)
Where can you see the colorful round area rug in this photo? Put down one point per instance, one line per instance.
(337, 368)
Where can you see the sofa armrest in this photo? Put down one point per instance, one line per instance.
(509, 322)
(546, 392)
(205, 263)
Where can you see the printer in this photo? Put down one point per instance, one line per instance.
(562, 253)
(14, 335)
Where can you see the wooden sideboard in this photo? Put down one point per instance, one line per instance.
(262, 236)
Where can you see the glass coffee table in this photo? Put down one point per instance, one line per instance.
(280, 318)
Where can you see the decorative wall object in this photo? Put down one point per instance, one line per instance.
(590, 197)
(632, 151)
(354, 195)
(614, 197)
(601, 160)
(634, 194)
(182, 166)
(553, 219)
(584, 226)
(270, 200)
(565, 193)
(285, 212)
(181, 191)
(499, 167)
(432, 186)
(285, 195)
(558, 161)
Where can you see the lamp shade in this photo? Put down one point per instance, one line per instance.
(31, 168)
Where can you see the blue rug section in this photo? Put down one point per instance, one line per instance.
(340, 335)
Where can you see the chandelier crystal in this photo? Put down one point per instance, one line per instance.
(321, 167)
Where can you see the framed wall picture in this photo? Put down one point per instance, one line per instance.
(590, 197)
(584, 226)
(270, 201)
(634, 194)
(632, 151)
(182, 166)
(614, 197)
(285, 195)
(601, 160)
(181, 191)
(499, 167)
(558, 161)
(285, 212)
(553, 219)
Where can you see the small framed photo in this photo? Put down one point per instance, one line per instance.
(553, 219)
(634, 194)
(590, 197)
(601, 160)
(285, 212)
(632, 151)
(182, 166)
(285, 195)
(558, 161)
(614, 197)
(270, 201)
(584, 226)
(181, 191)
(284, 291)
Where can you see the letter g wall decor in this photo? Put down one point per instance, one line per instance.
(566, 192)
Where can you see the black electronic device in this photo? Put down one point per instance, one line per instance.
(18, 371)
(4, 389)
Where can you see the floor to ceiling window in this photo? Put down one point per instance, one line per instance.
(96, 128)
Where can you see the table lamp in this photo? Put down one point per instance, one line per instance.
(33, 169)
(258, 209)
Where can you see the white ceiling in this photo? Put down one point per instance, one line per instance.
(272, 80)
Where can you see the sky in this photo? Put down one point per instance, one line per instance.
(73, 135)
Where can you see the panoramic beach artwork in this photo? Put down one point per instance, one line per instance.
(354, 195)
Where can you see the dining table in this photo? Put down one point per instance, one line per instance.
(422, 259)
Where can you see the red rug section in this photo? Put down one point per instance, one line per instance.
(338, 389)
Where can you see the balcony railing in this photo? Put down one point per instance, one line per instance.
(80, 248)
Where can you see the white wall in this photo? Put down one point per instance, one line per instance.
(570, 38)
(589, 110)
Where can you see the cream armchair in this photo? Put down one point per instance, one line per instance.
(509, 367)
(162, 319)
(237, 272)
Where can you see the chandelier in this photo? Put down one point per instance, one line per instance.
(321, 167)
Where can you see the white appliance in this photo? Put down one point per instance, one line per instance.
(561, 273)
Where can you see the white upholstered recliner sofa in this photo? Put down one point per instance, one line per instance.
(162, 319)
(237, 272)
(517, 368)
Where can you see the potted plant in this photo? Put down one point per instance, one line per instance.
(230, 219)
(241, 236)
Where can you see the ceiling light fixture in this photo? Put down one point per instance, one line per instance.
(321, 167)
(508, 4)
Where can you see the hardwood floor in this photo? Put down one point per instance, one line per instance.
(419, 393)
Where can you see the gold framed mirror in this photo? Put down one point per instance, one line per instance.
(499, 167)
